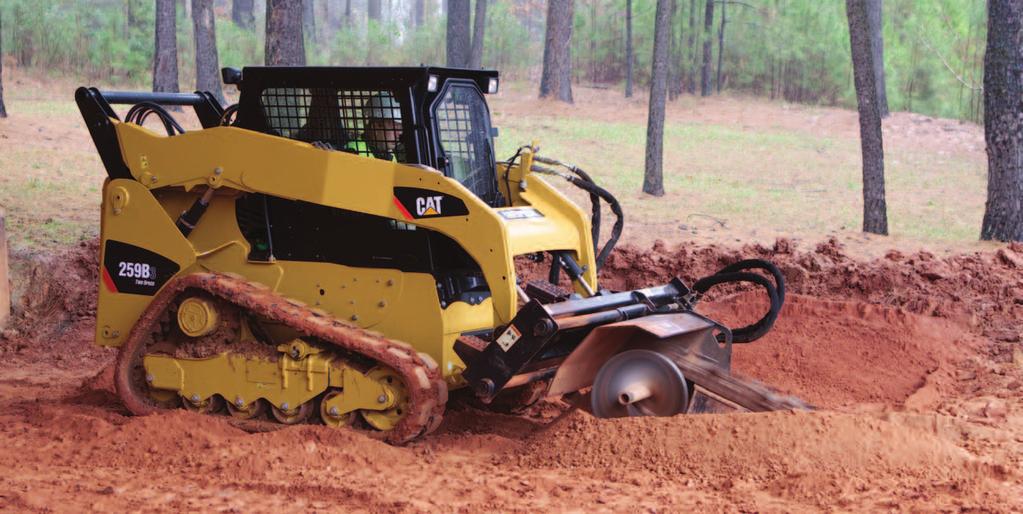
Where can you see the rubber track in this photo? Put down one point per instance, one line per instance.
(427, 390)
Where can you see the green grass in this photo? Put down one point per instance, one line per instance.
(750, 178)
(757, 178)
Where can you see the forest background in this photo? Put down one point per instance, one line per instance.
(793, 50)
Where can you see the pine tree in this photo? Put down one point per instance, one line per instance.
(653, 176)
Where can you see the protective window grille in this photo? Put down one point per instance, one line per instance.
(366, 122)
(464, 134)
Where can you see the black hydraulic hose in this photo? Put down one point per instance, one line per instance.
(507, 171)
(227, 119)
(140, 111)
(584, 182)
(748, 264)
(749, 333)
(594, 199)
(616, 209)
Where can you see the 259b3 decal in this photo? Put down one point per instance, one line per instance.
(135, 270)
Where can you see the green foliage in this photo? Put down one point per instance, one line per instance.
(793, 50)
(94, 38)
(236, 46)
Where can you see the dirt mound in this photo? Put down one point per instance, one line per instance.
(54, 306)
(819, 457)
(841, 353)
(982, 289)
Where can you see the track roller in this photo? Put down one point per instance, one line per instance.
(397, 398)
(211, 405)
(252, 410)
(293, 415)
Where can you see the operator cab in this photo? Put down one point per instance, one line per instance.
(432, 116)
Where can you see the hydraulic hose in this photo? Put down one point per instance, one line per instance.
(735, 273)
(140, 111)
(583, 181)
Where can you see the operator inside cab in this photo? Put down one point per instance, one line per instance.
(381, 137)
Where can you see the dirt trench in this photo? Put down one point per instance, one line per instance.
(914, 362)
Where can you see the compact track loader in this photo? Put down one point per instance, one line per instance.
(341, 246)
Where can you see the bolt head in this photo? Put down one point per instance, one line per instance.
(149, 378)
(195, 398)
(239, 401)
(382, 398)
(333, 411)
(285, 406)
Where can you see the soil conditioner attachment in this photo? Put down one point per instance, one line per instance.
(341, 246)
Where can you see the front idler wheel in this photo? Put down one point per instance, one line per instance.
(639, 383)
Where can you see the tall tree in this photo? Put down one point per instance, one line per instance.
(165, 57)
(3, 108)
(629, 58)
(653, 176)
(284, 41)
(556, 79)
(479, 25)
(375, 11)
(309, 18)
(673, 60)
(458, 38)
(876, 27)
(875, 212)
(207, 63)
(1003, 121)
(242, 13)
(418, 13)
(721, 46)
(708, 47)
(691, 48)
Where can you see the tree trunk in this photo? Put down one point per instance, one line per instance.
(691, 48)
(629, 59)
(479, 25)
(1003, 128)
(3, 108)
(418, 13)
(653, 176)
(721, 46)
(309, 18)
(165, 57)
(458, 40)
(708, 48)
(284, 41)
(556, 79)
(876, 27)
(875, 216)
(242, 13)
(207, 65)
(673, 62)
(374, 9)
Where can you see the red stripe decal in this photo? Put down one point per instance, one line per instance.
(108, 281)
(402, 208)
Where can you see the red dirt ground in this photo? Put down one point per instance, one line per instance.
(914, 361)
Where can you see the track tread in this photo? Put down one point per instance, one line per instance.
(427, 389)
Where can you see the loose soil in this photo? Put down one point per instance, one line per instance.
(913, 361)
